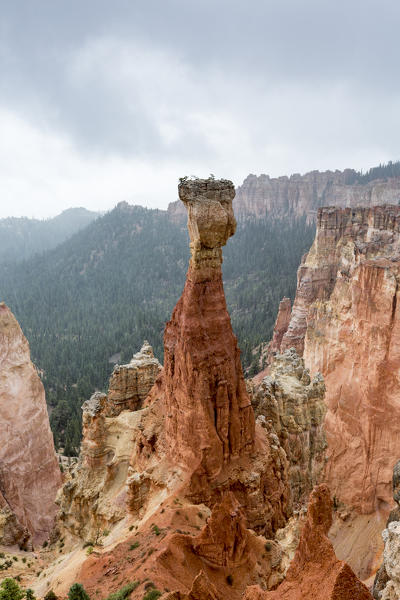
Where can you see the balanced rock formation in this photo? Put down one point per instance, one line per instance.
(294, 406)
(204, 379)
(345, 320)
(210, 426)
(29, 472)
(315, 571)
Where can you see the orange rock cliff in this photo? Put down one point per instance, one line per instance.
(346, 323)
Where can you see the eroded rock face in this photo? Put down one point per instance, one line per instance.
(224, 541)
(280, 327)
(29, 472)
(346, 318)
(315, 571)
(302, 195)
(11, 530)
(294, 406)
(130, 384)
(103, 485)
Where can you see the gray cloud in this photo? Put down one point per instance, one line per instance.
(102, 101)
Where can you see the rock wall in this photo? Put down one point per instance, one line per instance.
(301, 195)
(130, 384)
(345, 320)
(280, 327)
(294, 406)
(29, 472)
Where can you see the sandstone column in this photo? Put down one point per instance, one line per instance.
(209, 418)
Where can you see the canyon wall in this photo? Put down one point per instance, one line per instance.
(301, 195)
(346, 323)
(387, 579)
(29, 472)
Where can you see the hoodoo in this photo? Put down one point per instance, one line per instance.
(209, 416)
(29, 472)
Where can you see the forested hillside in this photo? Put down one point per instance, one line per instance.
(110, 286)
(21, 238)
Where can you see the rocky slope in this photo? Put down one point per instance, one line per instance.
(29, 472)
(301, 195)
(315, 571)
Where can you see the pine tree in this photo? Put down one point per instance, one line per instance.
(10, 590)
(77, 592)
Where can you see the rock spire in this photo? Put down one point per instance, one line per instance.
(209, 416)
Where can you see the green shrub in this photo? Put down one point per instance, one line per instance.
(152, 595)
(89, 550)
(50, 596)
(29, 595)
(124, 592)
(134, 546)
(268, 546)
(77, 592)
(156, 530)
(10, 590)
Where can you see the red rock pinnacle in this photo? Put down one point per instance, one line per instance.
(209, 414)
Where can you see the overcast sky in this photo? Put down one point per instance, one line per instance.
(110, 100)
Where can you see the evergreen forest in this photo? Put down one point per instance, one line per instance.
(93, 299)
